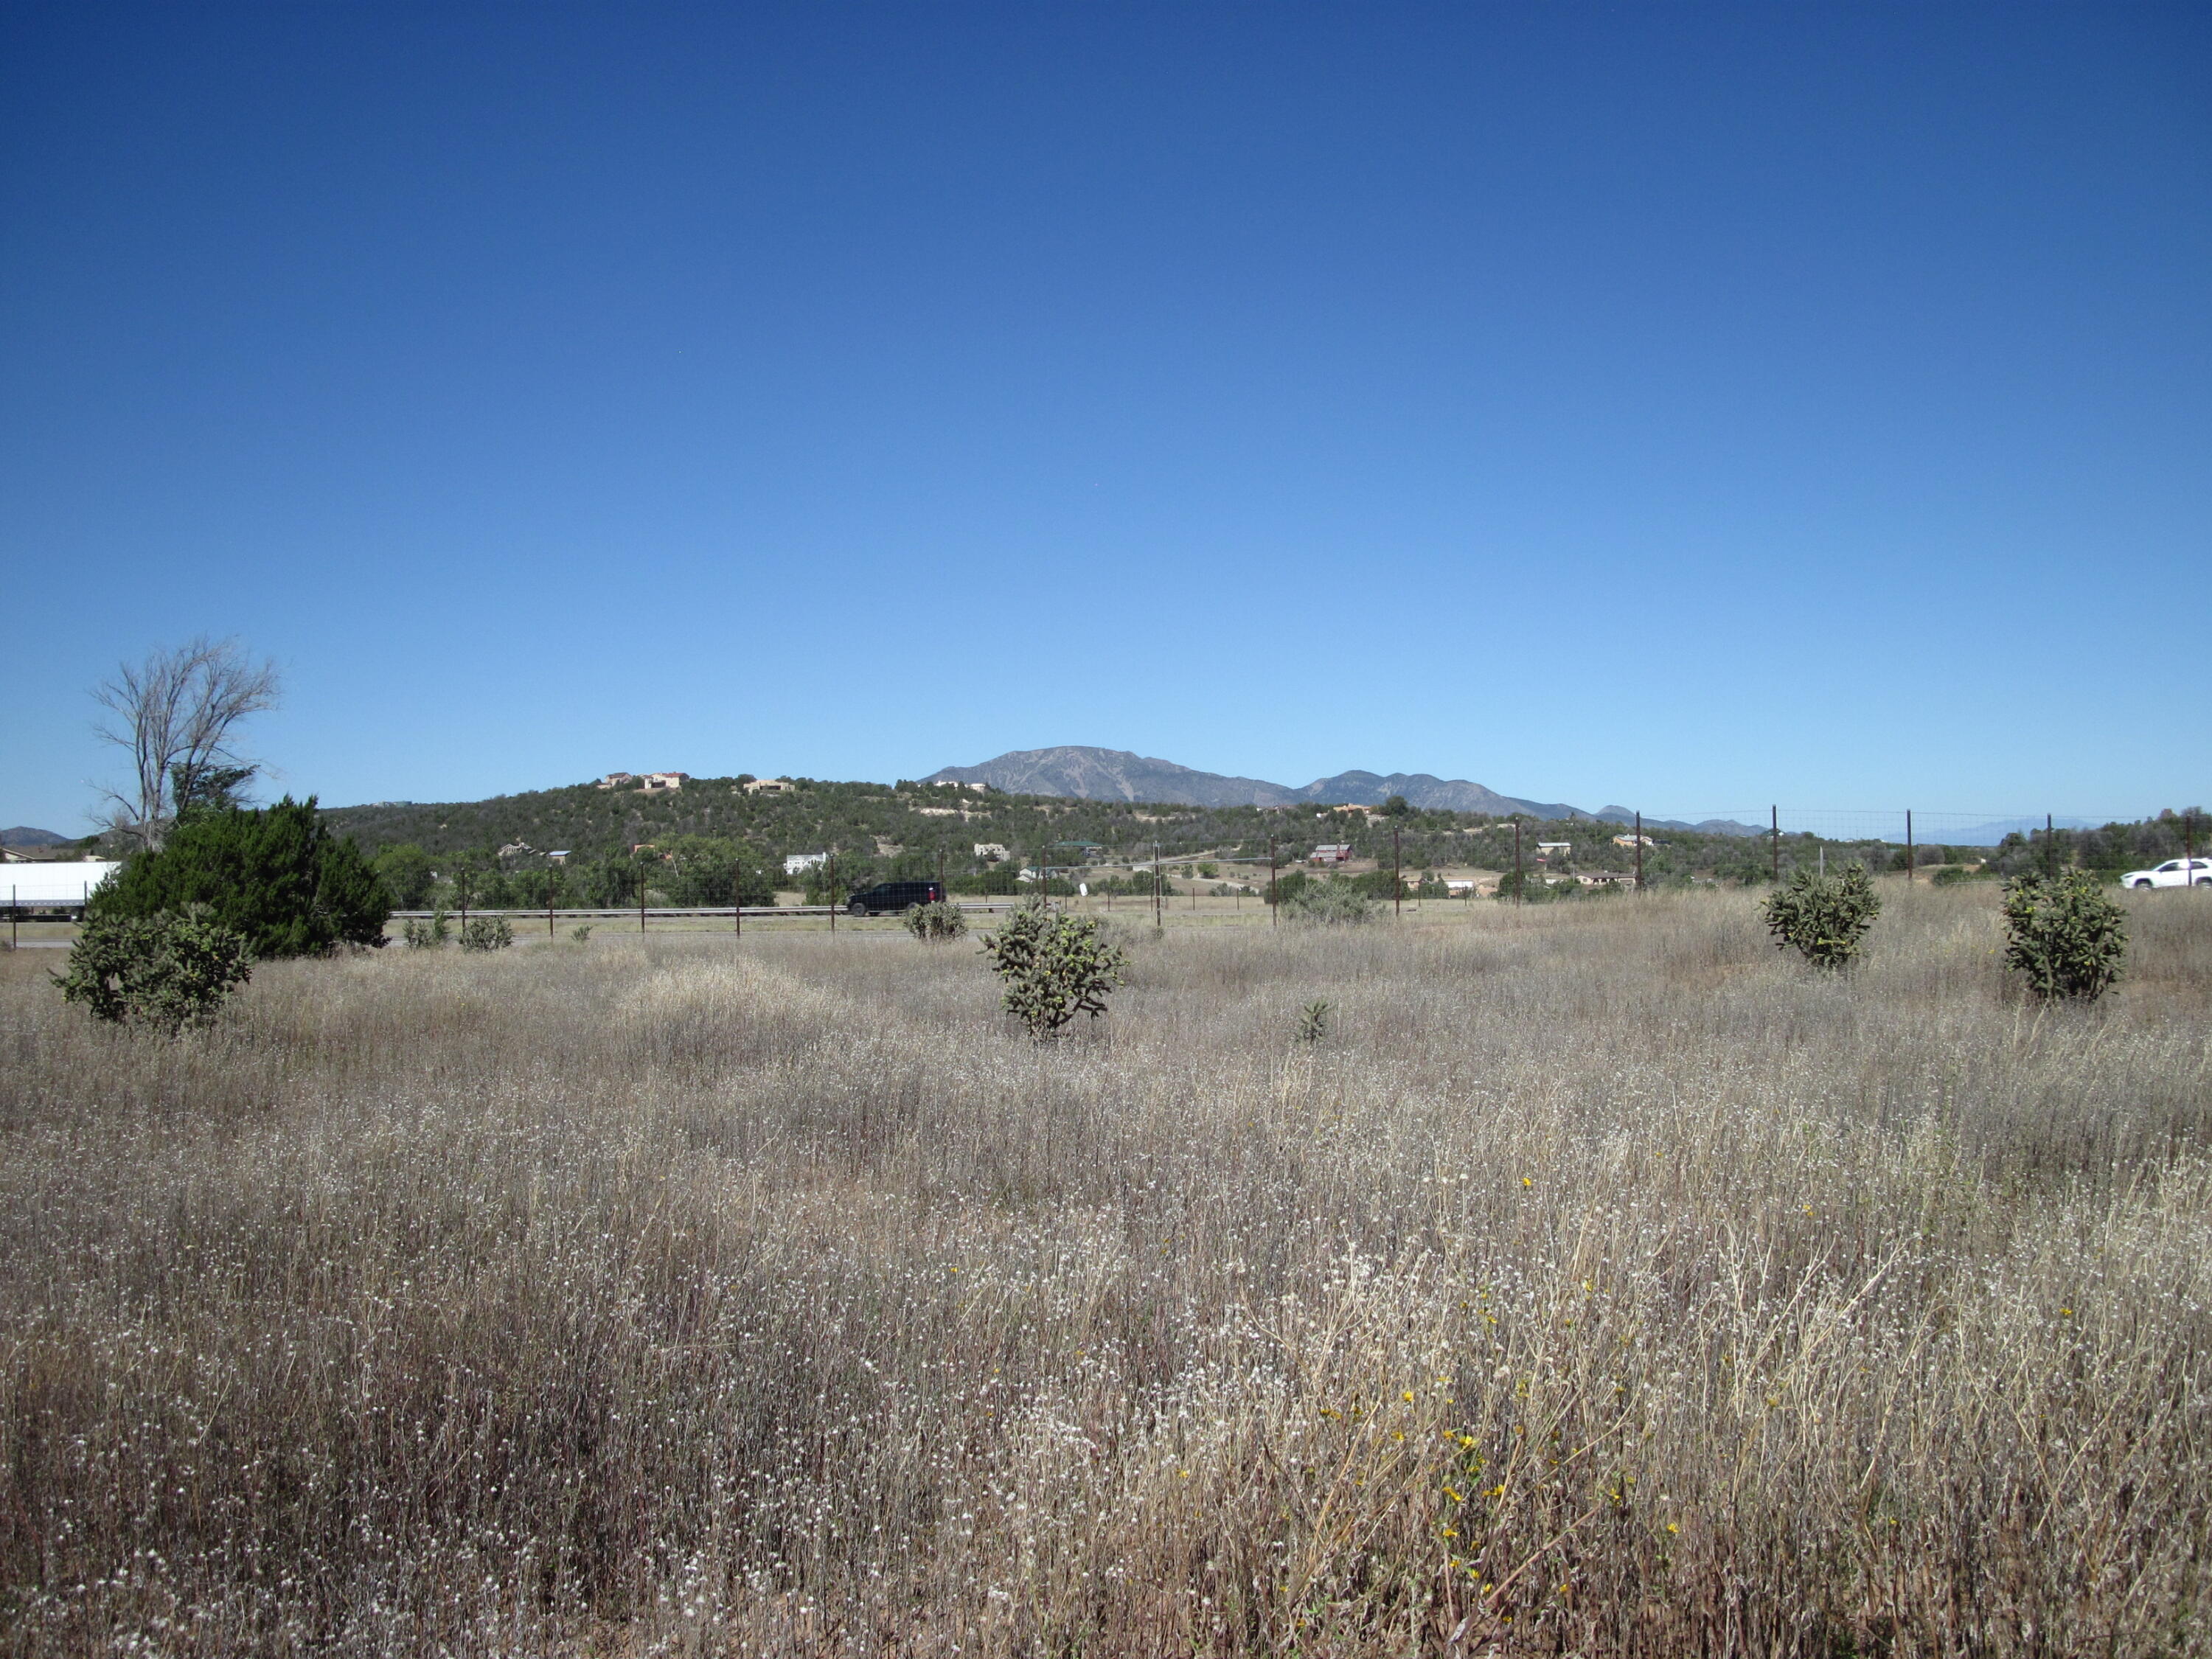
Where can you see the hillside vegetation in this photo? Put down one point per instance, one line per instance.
(1602, 1280)
(697, 840)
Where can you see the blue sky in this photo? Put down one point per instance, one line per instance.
(1685, 406)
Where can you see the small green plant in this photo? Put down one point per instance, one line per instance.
(1329, 903)
(1055, 966)
(430, 935)
(2065, 934)
(168, 972)
(1824, 918)
(1313, 1022)
(1952, 874)
(581, 934)
(486, 933)
(936, 922)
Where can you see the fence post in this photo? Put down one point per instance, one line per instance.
(1776, 841)
(1274, 911)
(2050, 849)
(1157, 922)
(641, 897)
(830, 886)
(11, 917)
(463, 884)
(1397, 879)
(1908, 847)
(548, 903)
(1520, 880)
(1639, 855)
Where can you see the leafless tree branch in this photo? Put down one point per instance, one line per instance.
(175, 713)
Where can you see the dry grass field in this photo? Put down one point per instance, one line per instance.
(1604, 1283)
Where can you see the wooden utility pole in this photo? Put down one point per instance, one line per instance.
(1397, 879)
(461, 883)
(829, 875)
(1157, 921)
(2050, 849)
(1520, 877)
(1274, 912)
(1776, 841)
(1639, 852)
(1908, 847)
(640, 897)
(548, 903)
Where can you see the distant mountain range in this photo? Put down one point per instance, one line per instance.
(23, 835)
(1116, 775)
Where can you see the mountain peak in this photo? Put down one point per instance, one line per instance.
(1090, 774)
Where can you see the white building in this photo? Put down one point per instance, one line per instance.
(993, 851)
(53, 886)
(798, 864)
(769, 786)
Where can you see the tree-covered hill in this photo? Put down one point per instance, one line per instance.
(700, 843)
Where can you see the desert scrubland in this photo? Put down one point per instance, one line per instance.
(1604, 1282)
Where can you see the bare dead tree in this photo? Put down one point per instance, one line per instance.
(175, 712)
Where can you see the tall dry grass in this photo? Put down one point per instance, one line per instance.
(1605, 1283)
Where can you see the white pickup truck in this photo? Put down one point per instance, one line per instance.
(2174, 872)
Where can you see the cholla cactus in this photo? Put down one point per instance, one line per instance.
(936, 922)
(486, 933)
(2065, 934)
(166, 972)
(1055, 966)
(1824, 917)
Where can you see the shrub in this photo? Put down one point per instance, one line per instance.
(1823, 917)
(2065, 934)
(1530, 888)
(1313, 1022)
(1329, 903)
(1951, 874)
(1055, 966)
(167, 972)
(405, 871)
(278, 877)
(486, 933)
(936, 922)
(582, 934)
(426, 935)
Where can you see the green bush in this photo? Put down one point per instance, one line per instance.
(1824, 918)
(405, 871)
(486, 933)
(1055, 966)
(422, 935)
(167, 972)
(936, 922)
(1530, 888)
(277, 877)
(1329, 903)
(1951, 874)
(2065, 934)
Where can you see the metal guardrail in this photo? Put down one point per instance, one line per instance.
(768, 912)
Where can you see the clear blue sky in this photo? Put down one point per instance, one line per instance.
(1684, 407)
